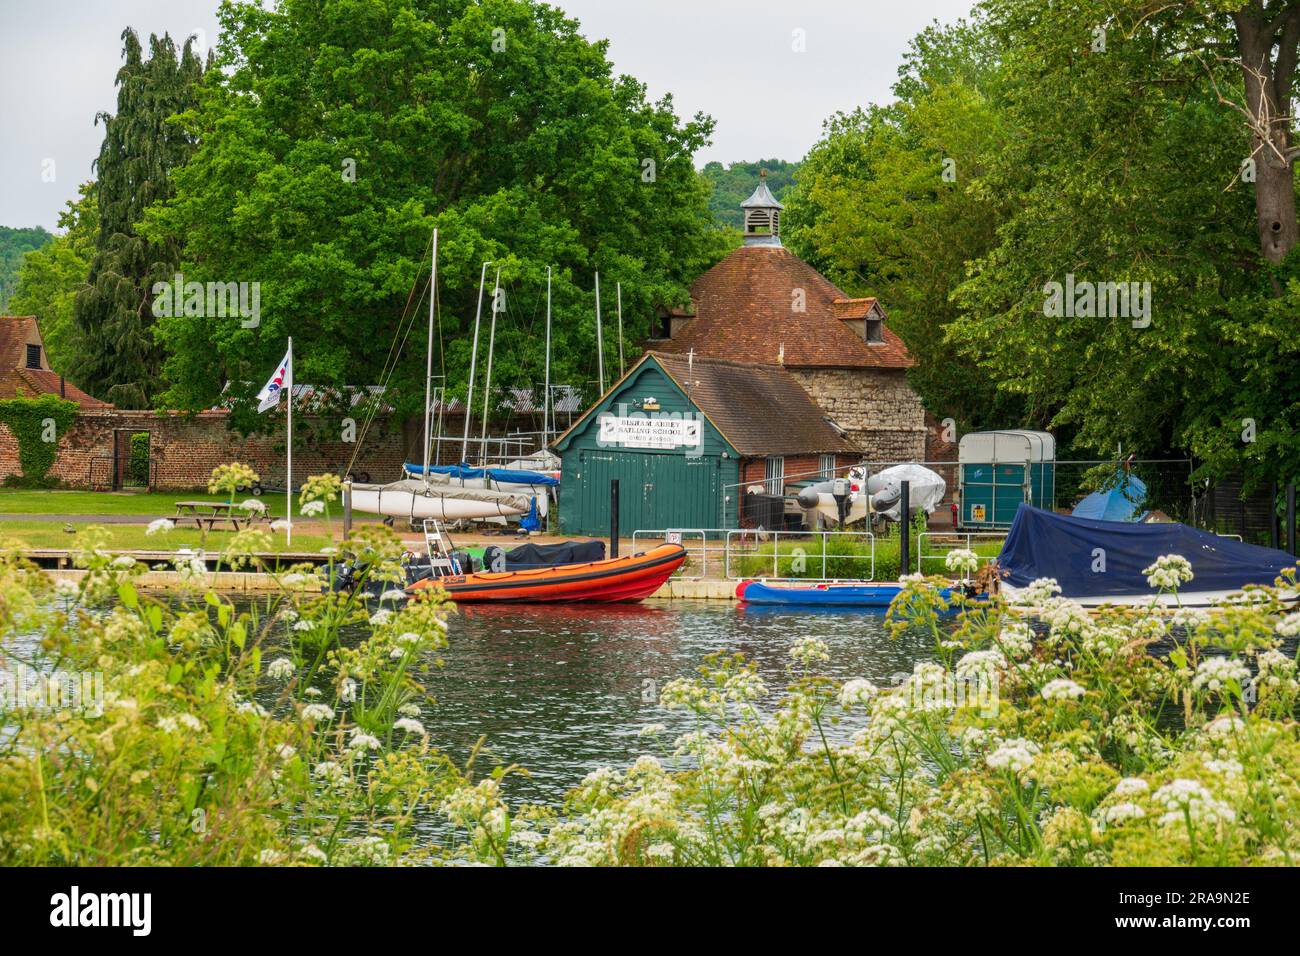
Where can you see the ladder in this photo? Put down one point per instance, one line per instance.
(437, 545)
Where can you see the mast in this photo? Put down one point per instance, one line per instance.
(546, 386)
(473, 360)
(288, 453)
(487, 384)
(600, 340)
(619, 287)
(428, 359)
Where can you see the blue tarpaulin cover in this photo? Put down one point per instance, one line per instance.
(1121, 502)
(507, 476)
(1041, 544)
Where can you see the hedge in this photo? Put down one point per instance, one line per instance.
(29, 420)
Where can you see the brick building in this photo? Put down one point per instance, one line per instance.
(180, 450)
(25, 368)
(763, 305)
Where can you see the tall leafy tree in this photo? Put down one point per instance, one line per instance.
(1124, 164)
(893, 201)
(337, 136)
(1097, 142)
(117, 356)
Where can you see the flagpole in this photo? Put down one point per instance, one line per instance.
(288, 468)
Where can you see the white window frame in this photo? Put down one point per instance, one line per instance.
(774, 475)
(826, 466)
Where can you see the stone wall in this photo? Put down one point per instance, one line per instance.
(184, 449)
(878, 409)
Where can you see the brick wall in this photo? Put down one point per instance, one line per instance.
(797, 468)
(184, 449)
(878, 409)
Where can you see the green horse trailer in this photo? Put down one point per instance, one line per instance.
(998, 470)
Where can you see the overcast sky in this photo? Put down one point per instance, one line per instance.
(733, 59)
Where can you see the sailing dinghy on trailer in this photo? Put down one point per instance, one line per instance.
(1103, 562)
(512, 480)
(417, 499)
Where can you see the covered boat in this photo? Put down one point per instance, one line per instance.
(534, 484)
(867, 594)
(1102, 562)
(615, 579)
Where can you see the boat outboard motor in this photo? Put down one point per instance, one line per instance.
(349, 573)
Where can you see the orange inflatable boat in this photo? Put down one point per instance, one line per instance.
(615, 579)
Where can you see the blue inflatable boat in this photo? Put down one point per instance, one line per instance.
(867, 594)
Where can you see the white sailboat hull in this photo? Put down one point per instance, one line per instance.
(446, 502)
(1184, 599)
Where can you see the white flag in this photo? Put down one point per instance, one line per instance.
(281, 381)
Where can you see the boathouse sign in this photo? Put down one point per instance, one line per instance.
(646, 431)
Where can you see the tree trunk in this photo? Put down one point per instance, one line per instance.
(1268, 102)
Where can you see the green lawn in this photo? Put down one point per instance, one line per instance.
(50, 534)
(148, 505)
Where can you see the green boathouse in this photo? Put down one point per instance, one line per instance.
(680, 434)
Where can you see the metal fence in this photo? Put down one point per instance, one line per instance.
(954, 539)
(747, 555)
(1167, 480)
(696, 541)
(744, 554)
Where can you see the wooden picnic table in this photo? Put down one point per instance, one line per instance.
(212, 513)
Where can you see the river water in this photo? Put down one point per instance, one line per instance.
(565, 690)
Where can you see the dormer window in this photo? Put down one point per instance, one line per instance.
(33, 356)
(875, 331)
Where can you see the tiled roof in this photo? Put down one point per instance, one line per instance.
(760, 409)
(853, 308)
(18, 381)
(745, 311)
(45, 382)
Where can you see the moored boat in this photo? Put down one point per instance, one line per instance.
(1104, 562)
(630, 578)
(865, 594)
